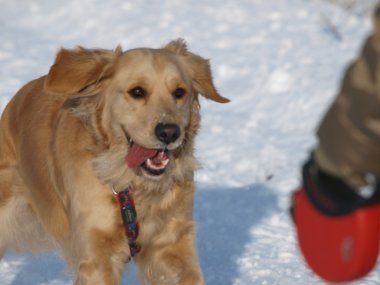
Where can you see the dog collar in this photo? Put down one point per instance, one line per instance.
(129, 217)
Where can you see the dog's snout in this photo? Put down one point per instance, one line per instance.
(167, 133)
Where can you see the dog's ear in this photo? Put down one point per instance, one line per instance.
(177, 46)
(202, 78)
(199, 69)
(74, 70)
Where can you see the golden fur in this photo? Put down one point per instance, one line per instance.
(63, 142)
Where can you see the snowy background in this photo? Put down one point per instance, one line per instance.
(279, 61)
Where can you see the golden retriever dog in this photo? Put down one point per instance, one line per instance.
(101, 122)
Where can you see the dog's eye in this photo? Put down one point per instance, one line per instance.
(137, 92)
(179, 93)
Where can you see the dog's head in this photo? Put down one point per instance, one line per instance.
(143, 99)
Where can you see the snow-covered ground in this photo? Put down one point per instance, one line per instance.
(277, 60)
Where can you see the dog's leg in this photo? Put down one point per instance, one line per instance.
(174, 264)
(2, 250)
(102, 255)
(100, 247)
(20, 227)
(5, 208)
(2, 253)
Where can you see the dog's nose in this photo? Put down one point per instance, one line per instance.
(167, 133)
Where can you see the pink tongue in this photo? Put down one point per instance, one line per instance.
(138, 154)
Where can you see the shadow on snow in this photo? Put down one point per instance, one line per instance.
(225, 218)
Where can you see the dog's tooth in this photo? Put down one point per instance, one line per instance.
(165, 162)
(151, 165)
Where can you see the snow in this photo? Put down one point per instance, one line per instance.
(280, 64)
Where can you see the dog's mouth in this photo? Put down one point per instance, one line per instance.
(153, 162)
